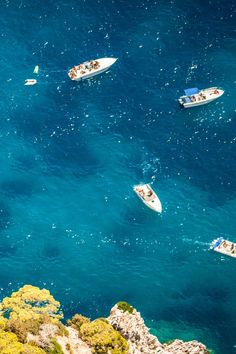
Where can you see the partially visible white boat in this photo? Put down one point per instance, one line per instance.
(90, 68)
(194, 97)
(148, 197)
(30, 82)
(225, 247)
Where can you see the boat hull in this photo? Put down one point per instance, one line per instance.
(104, 65)
(30, 82)
(92, 74)
(210, 96)
(224, 247)
(154, 204)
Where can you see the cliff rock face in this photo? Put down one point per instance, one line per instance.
(133, 328)
(73, 344)
(180, 347)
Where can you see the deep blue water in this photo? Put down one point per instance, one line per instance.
(71, 153)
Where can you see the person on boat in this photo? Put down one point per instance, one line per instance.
(87, 65)
(96, 64)
(139, 189)
(232, 248)
(224, 244)
(149, 193)
(73, 73)
(150, 196)
(91, 65)
(216, 92)
(200, 97)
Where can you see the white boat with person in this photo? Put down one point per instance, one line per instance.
(194, 97)
(90, 68)
(30, 82)
(148, 197)
(224, 246)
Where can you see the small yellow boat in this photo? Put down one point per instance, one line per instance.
(36, 69)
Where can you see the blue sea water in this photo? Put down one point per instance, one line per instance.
(71, 153)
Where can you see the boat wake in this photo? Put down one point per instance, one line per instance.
(151, 169)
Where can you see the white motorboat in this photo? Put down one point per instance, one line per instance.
(195, 97)
(30, 82)
(90, 68)
(148, 197)
(225, 247)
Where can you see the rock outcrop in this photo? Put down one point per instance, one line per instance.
(129, 324)
(180, 347)
(134, 330)
(73, 344)
(70, 344)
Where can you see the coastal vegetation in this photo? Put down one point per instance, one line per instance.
(10, 344)
(30, 303)
(30, 323)
(103, 338)
(77, 321)
(124, 306)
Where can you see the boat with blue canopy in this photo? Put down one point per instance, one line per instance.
(224, 246)
(194, 97)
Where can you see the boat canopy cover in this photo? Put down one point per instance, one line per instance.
(191, 91)
(218, 242)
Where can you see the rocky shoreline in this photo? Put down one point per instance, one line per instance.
(133, 328)
(30, 323)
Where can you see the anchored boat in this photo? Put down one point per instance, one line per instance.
(194, 97)
(148, 197)
(90, 68)
(225, 247)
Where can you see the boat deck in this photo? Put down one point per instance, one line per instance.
(225, 247)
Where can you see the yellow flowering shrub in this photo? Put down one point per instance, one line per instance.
(9, 344)
(3, 322)
(30, 302)
(77, 321)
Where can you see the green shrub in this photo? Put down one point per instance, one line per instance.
(30, 302)
(9, 344)
(103, 338)
(62, 331)
(103, 319)
(68, 346)
(124, 306)
(77, 321)
(55, 348)
(22, 328)
(3, 323)
(29, 349)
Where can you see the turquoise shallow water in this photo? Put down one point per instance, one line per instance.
(71, 153)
